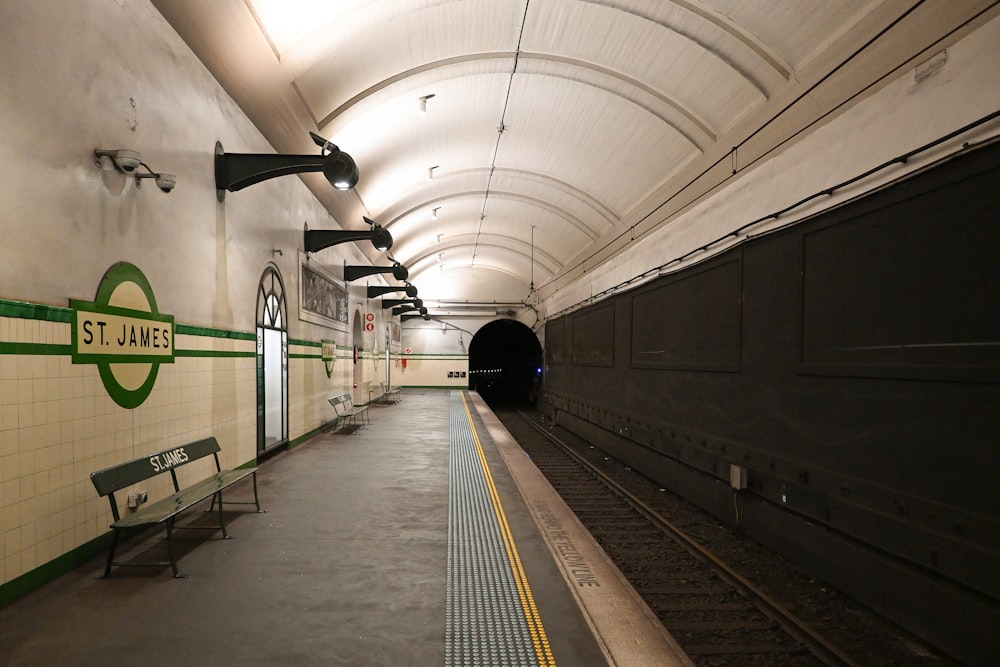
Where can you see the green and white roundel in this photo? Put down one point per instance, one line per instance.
(124, 334)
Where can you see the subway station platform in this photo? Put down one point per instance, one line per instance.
(425, 538)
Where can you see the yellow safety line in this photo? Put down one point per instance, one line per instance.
(542, 649)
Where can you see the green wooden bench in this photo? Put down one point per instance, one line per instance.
(346, 413)
(164, 511)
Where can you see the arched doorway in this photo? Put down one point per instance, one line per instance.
(272, 361)
(505, 362)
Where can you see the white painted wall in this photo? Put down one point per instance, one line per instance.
(76, 76)
(900, 117)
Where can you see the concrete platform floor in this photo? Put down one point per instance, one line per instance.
(346, 567)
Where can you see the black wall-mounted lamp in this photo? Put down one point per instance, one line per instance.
(404, 318)
(378, 290)
(319, 239)
(235, 171)
(398, 271)
(407, 308)
(392, 303)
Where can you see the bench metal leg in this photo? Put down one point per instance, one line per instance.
(256, 498)
(170, 549)
(217, 498)
(222, 521)
(111, 553)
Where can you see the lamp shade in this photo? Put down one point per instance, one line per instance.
(382, 240)
(339, 168)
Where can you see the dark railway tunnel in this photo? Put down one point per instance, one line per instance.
(505, 363)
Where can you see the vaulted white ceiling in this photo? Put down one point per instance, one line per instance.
(556, 130)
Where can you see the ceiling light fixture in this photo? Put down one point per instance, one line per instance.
(422, 103)
(235, 171)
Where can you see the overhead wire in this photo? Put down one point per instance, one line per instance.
(731, 155)
(500, 130)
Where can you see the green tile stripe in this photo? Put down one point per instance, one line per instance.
(33, 579)
(304, 343)
(210, 332)
(214, 353)
(35, 311)
(44, 349)
(424, 355)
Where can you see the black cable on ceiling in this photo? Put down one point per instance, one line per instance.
(775, 117)
(899, 159)
(500, 130)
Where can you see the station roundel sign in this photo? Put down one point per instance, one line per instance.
(124, 334)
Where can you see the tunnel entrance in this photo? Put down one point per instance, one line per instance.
(505, 363)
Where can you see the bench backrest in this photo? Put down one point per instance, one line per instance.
(342, 404)
(117, 477)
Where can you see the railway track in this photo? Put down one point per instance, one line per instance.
(718, 616)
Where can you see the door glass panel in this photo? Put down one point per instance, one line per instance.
(273, 394)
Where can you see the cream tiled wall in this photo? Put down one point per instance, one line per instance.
(58, 425)
(65, 220)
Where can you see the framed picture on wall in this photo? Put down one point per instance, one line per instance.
(322, 298)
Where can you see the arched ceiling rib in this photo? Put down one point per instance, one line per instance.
(718, 19)
(495, 194)
(578, 203)
(700, 128)
(460, 247)
(561, 121)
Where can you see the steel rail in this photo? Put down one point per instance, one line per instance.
(818, 645)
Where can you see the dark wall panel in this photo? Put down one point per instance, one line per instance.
(851, 363)
(593, 337)
(908, 290)
(691, 321)
(556, 348)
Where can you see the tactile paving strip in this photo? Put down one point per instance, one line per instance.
(491, 616)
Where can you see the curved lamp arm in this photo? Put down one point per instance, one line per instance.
(392, 303)
(405, 309)
(398, 271)
(378, 290)
(318, 239)
(235, 171)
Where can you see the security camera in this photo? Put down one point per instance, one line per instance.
(124, 160)
(165, 182)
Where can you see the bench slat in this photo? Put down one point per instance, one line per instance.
(176, 503)
(126, 474)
